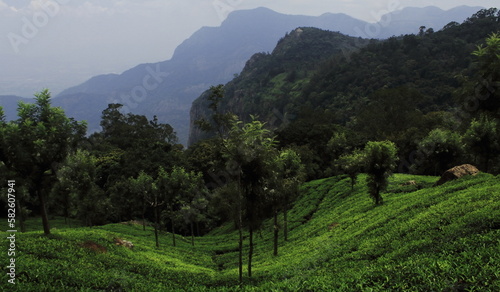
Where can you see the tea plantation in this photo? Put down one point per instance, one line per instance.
(423, 238)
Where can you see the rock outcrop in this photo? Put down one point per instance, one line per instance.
(457, 172)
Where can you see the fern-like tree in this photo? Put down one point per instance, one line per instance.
(291, 176)
(487, 82)
(380, 160)
(250, 153)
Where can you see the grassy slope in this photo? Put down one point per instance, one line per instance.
(435, 239)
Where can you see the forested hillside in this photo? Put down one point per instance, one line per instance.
(398, 89)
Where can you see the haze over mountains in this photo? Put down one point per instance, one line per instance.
(213, 55)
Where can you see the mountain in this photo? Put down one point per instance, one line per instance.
(212, 55)
(410, 19)
(317, 84)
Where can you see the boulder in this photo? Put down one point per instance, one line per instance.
(457, 172)
(409, 183)
(89, 244)
(125, 243)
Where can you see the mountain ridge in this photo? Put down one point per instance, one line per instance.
(212, 55)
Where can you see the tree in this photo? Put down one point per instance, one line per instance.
(481, 92)
(249, 151)
(77, 189)
(422, 30)
(438, 152)
(291, 175)
(352, 165)
(219, 122)
(193, 206)
(193, 201)
(488, 83)
(142, 186)
(36, 143)
(130, 143)
(483, 139)
(380, 161)
(177, 187)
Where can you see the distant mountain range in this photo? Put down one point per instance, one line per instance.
(213, 55)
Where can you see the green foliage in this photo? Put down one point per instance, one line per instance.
(78, 192)
(34, 145)
(250, 154)
(352, 164)
(379, 159)
(483, 139)
(128, 145)
(438, 152)
(487, 83)
(250, 149)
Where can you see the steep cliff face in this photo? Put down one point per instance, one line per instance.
(198, 111)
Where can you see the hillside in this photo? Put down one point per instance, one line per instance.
(422, 238)
(398, 89)
(343, 81)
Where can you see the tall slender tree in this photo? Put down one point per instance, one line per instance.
(142, 187)
(291, 175)
(250, 150)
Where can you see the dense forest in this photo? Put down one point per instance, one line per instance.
(320, 105)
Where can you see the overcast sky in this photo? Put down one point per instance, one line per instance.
(68, 41)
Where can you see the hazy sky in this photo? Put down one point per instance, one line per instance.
(60, 43)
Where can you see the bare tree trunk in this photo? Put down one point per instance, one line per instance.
(240, 249)
(276, 232)
(285, 222)
(487, 162)
(173, 230)
(157, 223)
(143, 212)
(250, 252)
(240, 231)
(22, 216)
(43, 210)
(192, 233)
